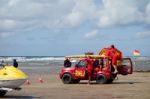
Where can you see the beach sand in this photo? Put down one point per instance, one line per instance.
(135, 86)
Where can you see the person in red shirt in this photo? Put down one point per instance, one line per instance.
(115, 55)
(89, 69)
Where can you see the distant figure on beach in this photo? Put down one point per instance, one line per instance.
(15, 63)
(67, 63)
(3, 63)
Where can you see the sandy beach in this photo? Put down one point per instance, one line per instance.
(135, 86)
(100, 39)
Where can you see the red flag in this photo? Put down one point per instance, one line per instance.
(136, 52)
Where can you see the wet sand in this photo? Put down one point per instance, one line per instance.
(135, 86)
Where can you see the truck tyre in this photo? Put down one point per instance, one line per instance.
(67, 79)
(2, 92)
(101, 79)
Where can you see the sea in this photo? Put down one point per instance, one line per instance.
(53, 64)
(36, 64)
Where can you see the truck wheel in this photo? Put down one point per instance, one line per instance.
(76, 81)
(2, 92)
(67, 79)
(101, 79)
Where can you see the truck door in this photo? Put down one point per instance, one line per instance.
(80, 70)
(126, 67)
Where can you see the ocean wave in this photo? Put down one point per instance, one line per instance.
(26, 59)
(46, 58)
(142, 58)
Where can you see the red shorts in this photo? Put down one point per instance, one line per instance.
(114, 60)
(89, 72)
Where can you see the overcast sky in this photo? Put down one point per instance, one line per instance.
(69, 27)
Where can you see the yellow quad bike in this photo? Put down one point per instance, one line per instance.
(11, 78)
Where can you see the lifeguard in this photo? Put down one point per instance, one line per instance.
(115, 55)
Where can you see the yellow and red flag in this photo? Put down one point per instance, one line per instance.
(136, 52)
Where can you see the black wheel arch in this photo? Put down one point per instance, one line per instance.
(2, 93)
(101, 79)
(70, 79)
